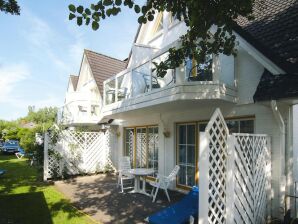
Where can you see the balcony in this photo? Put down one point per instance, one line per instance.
(140, 87)
(79, 112)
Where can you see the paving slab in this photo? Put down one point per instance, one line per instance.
(99, 196)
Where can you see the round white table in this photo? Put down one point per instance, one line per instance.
(138, 173)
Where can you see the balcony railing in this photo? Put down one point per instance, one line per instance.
(143, 79)
(136, 81)
(77, 112)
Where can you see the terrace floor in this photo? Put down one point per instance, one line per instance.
(100, 198)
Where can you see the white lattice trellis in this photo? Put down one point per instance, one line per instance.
(252, 176)
(80, 152)
(234, 175)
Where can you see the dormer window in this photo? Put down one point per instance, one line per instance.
(199, 71)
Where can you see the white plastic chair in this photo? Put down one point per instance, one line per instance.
(163, 182)
(124, 175)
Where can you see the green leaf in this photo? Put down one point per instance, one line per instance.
(137, 9)
(87, 11)
(95, 25)
(118, 2)
(109, 12)
(80, 9)
(144, 9)
(71, 16)
(150, 17)
(87, 21)
(79, 20)
(107, 2)
(92, 6)
(72, 8)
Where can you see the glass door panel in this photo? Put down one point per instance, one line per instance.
(186, 158)
(153, 148)
(129, 143)
(141, 145)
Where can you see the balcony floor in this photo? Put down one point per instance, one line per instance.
(99, 197)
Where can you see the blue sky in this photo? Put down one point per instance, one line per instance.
(40, 49)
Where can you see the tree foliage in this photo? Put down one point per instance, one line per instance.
(10, 6)
(209, 24)
(41, 120)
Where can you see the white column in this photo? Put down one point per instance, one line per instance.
(46, 156)
(204, 179)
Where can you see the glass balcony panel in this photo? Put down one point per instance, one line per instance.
(124, 86)
(110, 91)
(141, 77)
(199, 71)
(168, 79)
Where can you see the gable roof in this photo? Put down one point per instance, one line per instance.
(103, 67)
(74, 81)
(274, 87)
(274, 31)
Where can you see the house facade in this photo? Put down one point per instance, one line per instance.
(158, 120)
(83, 99)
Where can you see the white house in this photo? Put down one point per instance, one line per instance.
(159, 120)
(83, 99)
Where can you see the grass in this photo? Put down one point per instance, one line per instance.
(24, 198)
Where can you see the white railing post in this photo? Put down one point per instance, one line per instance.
(204, 178)
(268, 175)
(150, 68)
(131, 78)
(46, 156)
(230, 179)
(116, 89)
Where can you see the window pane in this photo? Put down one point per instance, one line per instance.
(233, 126)
(129, 143)
(191, 176)
(202, 127)
(182, 175)
(141, 147)
(191, 134)
(191, 154)
(247, 126)
(182, 134)
(182, 154)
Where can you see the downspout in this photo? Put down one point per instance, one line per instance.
(282, 130)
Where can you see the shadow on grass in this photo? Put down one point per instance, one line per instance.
(24, 208)
(24, 198)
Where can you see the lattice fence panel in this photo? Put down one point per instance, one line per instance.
(79, 152)
(217, 133)
(252, 177)
(235, 175)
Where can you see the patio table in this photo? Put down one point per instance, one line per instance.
(138, 173)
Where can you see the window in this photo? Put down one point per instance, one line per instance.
(94, 110)
(141, 145)
(187, 146)
(158, 26)
(199, 72)
(241, 126)
(172, 18)
(129, 143)
(153, 148)
(186, 158)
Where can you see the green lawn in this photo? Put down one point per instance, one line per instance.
(24, 198)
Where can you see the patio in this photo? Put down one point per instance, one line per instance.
(99, 197)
